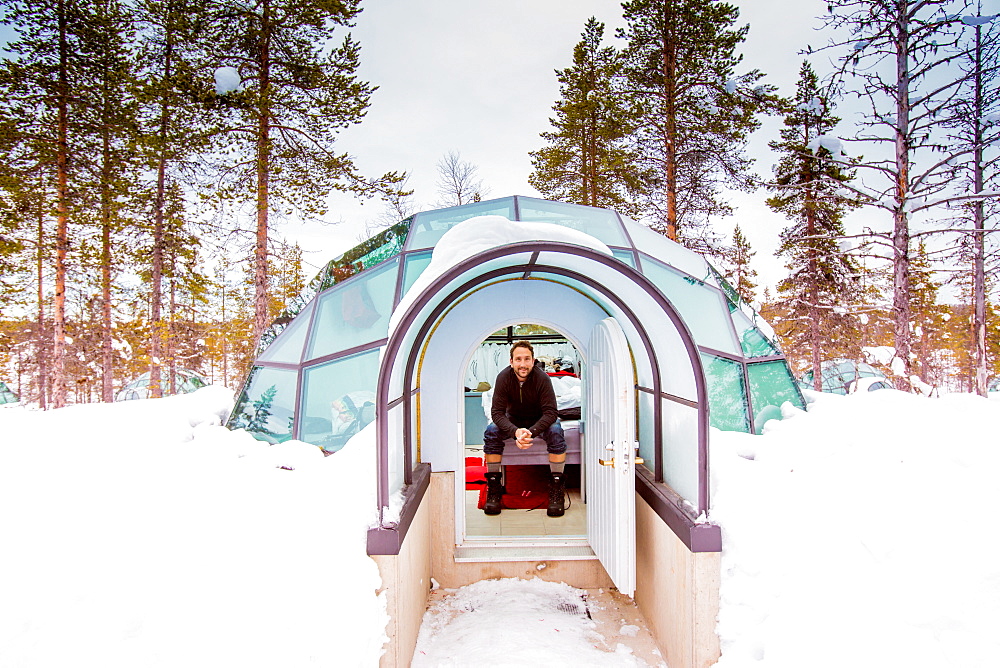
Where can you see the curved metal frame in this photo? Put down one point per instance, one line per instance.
(395, 344)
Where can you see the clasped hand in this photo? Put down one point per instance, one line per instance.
(523, 437)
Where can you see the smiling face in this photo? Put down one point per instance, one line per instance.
(522, 360)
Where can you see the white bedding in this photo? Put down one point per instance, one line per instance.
(568, 391)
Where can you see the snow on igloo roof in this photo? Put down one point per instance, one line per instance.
(335, 327)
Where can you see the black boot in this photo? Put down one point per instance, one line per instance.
(556, 498)
(494, 494)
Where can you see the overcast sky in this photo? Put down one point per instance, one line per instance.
(478, 78)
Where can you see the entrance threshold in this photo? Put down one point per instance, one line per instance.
(524, 550)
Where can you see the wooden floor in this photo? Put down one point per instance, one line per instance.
(526, 522)
(523, 522)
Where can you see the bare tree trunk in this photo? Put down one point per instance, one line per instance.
(901, 230)
(171, 332)
(42, 355)
(107, 355)
(156, 279)
(815, 333)
(62, 220)
(263, 172)
(978, 269)
(670, 120)
(225, 336)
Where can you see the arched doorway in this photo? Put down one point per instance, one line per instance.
(439, 425)
(670, 384)
(526, 472)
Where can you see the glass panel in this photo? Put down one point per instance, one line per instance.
(703, 308)
(680, 450)
(625, 256)
(675, 255)
(771, 384)
(667, 343)
(727, 394)
(753, 341)
(189, 381)
(287, 347)
(266, 406)
(7, 395)
(338, 400)
(838, 375)
(612, 281)
(396, 461)
(355, 312)
(647, 442)
(599, 223)
(365, 255)
(482, 268)
(533, 330)
(413, 266)
(430, 226)
(731, 293)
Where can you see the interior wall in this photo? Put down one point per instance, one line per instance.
(461, 330)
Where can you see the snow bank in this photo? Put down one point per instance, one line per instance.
(857, 534)
(144, 534)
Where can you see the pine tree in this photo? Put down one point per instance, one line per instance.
(177, 124)
(11, 210)
(287, 277)
(928, 316)
(296, 94)
(807, 187)
(186, 285)
(693, 113)
(741, 274)
(16, 207)
(587, 159)
(107, 171)
(36, 89)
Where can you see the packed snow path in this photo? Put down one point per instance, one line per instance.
(511, 622)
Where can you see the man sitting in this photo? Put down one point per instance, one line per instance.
(524, 406)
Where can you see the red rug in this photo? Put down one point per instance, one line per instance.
(475, 473)
(527, 487)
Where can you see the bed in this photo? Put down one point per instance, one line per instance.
(568, 389)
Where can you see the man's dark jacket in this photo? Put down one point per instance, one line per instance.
(531, 404)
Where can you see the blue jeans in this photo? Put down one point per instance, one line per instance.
(553, 436)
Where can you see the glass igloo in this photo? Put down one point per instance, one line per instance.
(371, 335)
(184, 380)
(838, 376)
(7, 395)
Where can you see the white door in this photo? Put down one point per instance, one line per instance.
(609, 433)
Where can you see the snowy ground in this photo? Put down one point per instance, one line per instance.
(141, 534)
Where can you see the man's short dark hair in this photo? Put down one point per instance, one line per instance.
(522, 344)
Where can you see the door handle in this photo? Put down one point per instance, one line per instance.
(608, 462)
